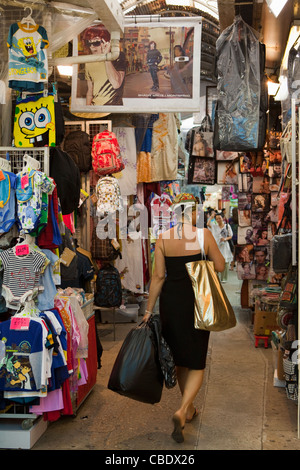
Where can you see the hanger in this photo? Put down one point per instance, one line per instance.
(5, 164)
(31, 163)
(28, 19)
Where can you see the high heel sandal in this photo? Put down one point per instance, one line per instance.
(177, 433)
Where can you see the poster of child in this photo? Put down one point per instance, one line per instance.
(246, 271)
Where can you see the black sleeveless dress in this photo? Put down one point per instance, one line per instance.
(176, 304)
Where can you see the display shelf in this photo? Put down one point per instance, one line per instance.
(14, 436)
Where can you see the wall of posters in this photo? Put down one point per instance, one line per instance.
(158, 68)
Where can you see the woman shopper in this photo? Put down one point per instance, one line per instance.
(170, 282)
(222, 233)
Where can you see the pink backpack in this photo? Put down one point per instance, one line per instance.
(106, 158)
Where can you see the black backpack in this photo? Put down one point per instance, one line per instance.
(108, 287)
(66, 175)
(77, 145)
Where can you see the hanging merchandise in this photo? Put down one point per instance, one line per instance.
(240, 120)
(66, 175)
(108, 195)
(199, 143)
(128, 177)
(27, 62)
(7, 200)
(106, 158)
(102, 248)
(108, 287)
(199, 139)
(34, 123)
(32, 189)
(164, 149)
(77, 145)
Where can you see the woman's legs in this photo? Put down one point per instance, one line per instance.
(189, 381)
(224, 274)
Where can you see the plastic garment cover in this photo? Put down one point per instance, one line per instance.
(213, 311)
(239, 69)
(136, 372)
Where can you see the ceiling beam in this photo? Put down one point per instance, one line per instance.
(226, 13)
(110, 13)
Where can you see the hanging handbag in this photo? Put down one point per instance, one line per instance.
(165, 355)
(213, 311)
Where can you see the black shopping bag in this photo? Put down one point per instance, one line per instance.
(136, 372)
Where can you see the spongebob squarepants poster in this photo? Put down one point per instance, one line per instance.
(34, 123)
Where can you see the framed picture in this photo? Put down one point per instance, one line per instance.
(227, 173)
(244, 201)
(275, 183)
(261, 254)
(244, 218)
(262, 272)
(244, 253)
(247, 162)
(261, 184)
(246, 271)
(275, 170)
(202, 144)
(202, 171)
(245, 235)
(260, 236)
(260, 203)
(258, 219)
(226, 193)
(245, 182)
(224, 155)
(157, 68)
(275, 156)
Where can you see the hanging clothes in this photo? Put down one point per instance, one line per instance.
(130, 266)
(127, 177)
(164, 153)
(27, 62)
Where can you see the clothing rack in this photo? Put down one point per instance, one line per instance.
(18, 427)
(38, 156)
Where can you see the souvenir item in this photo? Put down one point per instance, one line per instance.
(34, 124)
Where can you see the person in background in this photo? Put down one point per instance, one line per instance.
(171, 283)
(222, 233)
(223, 212)
(234, 223)
(154, 57)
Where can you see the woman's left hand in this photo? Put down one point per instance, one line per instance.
(146, 317)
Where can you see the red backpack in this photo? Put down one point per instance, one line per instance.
(106, 158)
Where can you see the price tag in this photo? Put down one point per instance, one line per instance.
(22, 250)
(19, 323)
(24, 181)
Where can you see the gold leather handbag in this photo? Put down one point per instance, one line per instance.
(213, 311)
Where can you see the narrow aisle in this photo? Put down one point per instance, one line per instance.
(240, 409)
(243, 410)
